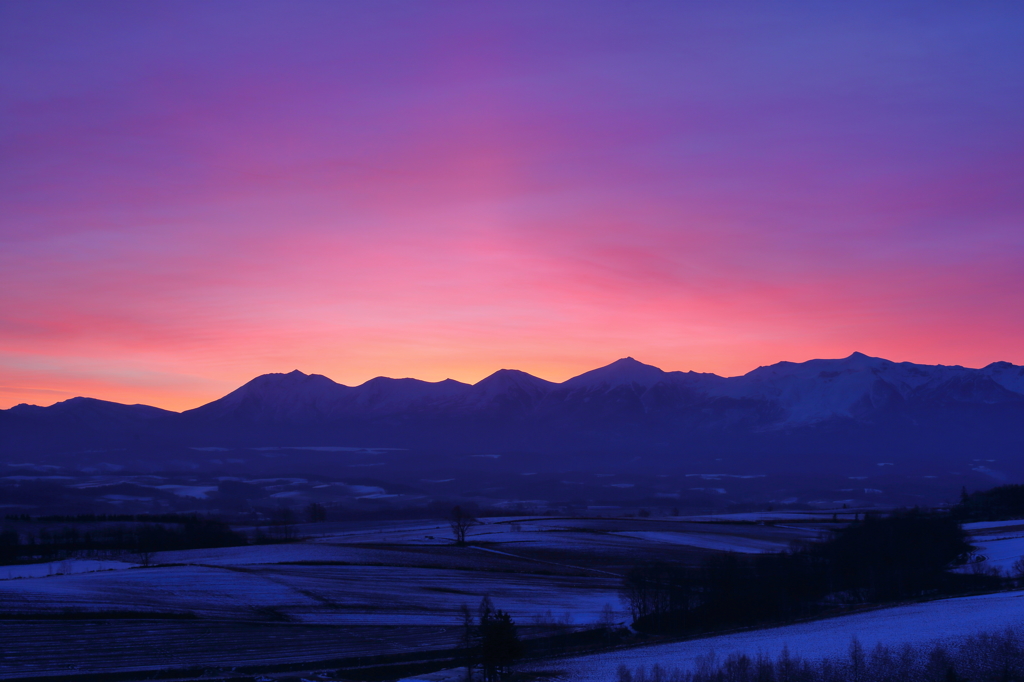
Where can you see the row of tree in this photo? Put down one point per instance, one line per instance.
(995, 504)
(138, 534)
(139, 539)
(876, 560)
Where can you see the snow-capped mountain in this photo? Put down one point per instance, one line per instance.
(855, 386)
(624, 406)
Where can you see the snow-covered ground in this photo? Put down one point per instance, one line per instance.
(353, 595)
(725, 543)
(408, 575)
(947, 618)
(998, 544)
(431, 533)
(271, 554)
(984, 526)
(766, 516)
(65, 567)
(1001, 553)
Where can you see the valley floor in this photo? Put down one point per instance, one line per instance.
(395, 588)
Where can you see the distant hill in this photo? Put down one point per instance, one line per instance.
(787, 414)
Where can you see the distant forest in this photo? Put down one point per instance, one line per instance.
(996, 504)
(906, 555)
(90, 536)
(877, 560)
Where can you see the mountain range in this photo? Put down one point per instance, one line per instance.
(853, 407)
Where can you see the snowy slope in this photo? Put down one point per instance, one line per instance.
(823, 638)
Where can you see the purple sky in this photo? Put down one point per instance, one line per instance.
(195, 193)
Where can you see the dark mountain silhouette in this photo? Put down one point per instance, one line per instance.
(77, 424)
(790, 414)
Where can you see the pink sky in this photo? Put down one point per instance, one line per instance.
(195, 194)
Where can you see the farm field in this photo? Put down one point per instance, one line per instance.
(351, 589)
(917, 623)
(345, 590)
(68, 647)
(999, 543)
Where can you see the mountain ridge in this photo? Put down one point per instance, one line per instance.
(1013, 383)
(624, 406)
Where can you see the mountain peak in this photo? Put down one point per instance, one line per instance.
(510, 375)
(276, 388)
(513, 377)
(292, 378)
(623, 371)
(860, 361)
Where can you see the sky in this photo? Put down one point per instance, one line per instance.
(193, 194)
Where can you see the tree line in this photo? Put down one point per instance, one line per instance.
(996, 504)
(139, 539)
(873, 561)
(170, 517)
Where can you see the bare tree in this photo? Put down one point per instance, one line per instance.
(316, 512)
(143, 555)
(282, 520)
(1017, 570)
(460, 522)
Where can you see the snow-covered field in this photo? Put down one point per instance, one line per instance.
(947, 618)
(345, 591)
(405, 533)
(988, 526)
(32, 648)
(393, 572)
(765, 516)
(999, 543)
(357, 595)
(405, 581)
(273, 554)
(1001, 552)
(724, 543)
(66, 567)
(607, 535)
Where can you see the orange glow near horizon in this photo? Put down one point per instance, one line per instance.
(193, 198)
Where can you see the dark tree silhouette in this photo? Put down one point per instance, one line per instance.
(460, 522)
(657, 588)
(907, 554)
(499, 644)
(1017, 569)
(995, 504)
(492, 642)
(468, 640)
(282, 520)
(143, 555)
(316, 512)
